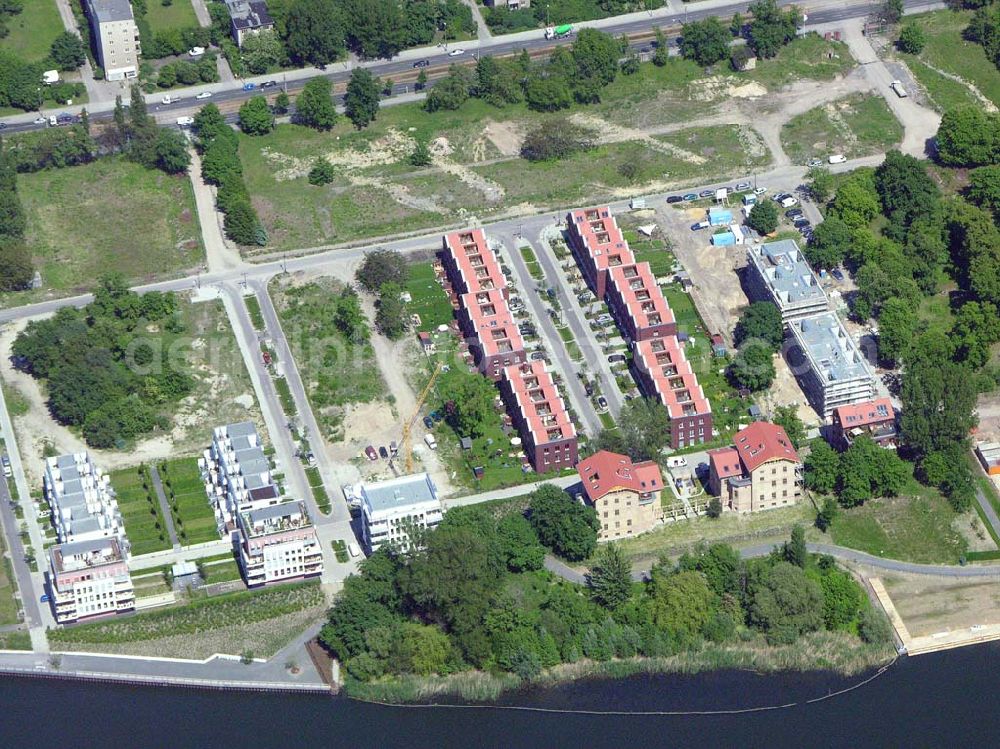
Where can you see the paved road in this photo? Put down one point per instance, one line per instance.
(560, 568)
(161, 496)
(22, 574)
(820, 12)
(564, 482)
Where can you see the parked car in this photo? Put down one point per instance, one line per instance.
(6, 467)
(691, 196)
(383, 452)
(436, 415)
(269, 84)
(456, 52)
(428, 422)
(353, 550)
(675, 198)
(589, 389)
(204, 95)
(837, 158)
(537, 355)
(65, 119)
(678, 462)
(602, 403)
(249, 86)
(838, 274)
(311, 459)
(430, 441)
(760, 190)
(422, 63)
(741, 186)
(815, 162)
(167, 99)
(370, 452)
(185, 121)
(44, 598)
(615, 358)
(706, 193)
(3, 125)
(40, 120)
(700, 225)
(793, 213)
(196, 51)
(789, 201)
(605, 319)
(800, 221)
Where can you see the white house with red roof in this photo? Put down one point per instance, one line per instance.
(626, 495)
(876, 418)
(760, 471)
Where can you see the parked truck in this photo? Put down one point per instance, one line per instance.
(558, 32)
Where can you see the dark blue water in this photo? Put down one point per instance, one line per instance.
(942, 700)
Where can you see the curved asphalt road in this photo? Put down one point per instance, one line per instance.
(557, 567)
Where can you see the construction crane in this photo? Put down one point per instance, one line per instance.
(406, 443)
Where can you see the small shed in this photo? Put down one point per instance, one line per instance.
(720, 216)
(684, 279)
(750, 199)
(466, 443)
(724, 239)
(426, 343)
(755, 412)
(718, 345)
(738, 234)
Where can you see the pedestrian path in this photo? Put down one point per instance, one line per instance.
(168, 518)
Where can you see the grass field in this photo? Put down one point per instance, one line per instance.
(194, 518)
(855, 126)
(318, 490)
(809, 56)
(110, 215)
(656, 252)
(221, 572)
(8, 589)
(947, 51)
(335, 371)
(914, 527)
(144, 523)
(178, 15)
(531, 262)
(33, 30)
(429, 299)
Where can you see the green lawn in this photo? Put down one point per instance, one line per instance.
(429, 299)
(656, 252)
(855, 126)
(253, 308)
(532, 263)
(935, 312)
(809, 56)
(33, 30)
(144, 523)
(194, 518)
(914, 527)
(178, 15)
(109, 215)
(221, 572)
(335, 371)
(947, 51)
(8, 589)
(318, 490)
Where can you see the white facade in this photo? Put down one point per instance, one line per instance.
(278, 543)
(115, 36)
(82, 501)
(238, 474)
(391, 509)
(89, 579)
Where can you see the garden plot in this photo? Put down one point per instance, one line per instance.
(194, 518)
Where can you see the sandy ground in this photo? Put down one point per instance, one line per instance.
(932, 604)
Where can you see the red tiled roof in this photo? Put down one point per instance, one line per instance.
(604, 472)
(761, 442)
(675, 382)
(598, 231)
(539, 402)
(725, 462)
(636, 285)
(476, 263)
(494, 325)
(862, 414)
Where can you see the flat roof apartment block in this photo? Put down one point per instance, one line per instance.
(278, 543)
(391, 509)
(779, 273)
(832, 370)
(492, 334)
(82, 501)
(89, 579)
(637, 304)
(238, 474)
(470, 263)
(598, 245)
(115, 36)
(664, 372)
(539, 414)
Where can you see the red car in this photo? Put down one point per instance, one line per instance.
(370, 452)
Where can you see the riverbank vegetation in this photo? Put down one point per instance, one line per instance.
(475, 598)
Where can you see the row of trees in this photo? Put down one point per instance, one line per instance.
(861, 472)
(451, 605)
(104, 373)
(137, 135)
(709, 41)
(221, 166)
(384, 273)
(15, 259)
(758, 336)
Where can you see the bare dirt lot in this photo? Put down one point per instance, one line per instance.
(936, 604)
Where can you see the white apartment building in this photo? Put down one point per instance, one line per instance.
(89, 579)
(278, 543)
(82, 501)
(779, 273)
(237, 474)
(390, 509)
(115, 36)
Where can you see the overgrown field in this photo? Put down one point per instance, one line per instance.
(32, 31)
(855, 126)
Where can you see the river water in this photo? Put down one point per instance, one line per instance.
(941, 700)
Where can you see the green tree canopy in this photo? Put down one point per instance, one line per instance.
(314, 33)
(787, 417)
(822, 467)
(784, 603)
(771, 27)
(683, 603)
(391, 317)
(556, 138)
(381, 267)
(256, 117)
(563, 524)
(763, 217)
(706, 42)
(68, 51)
(761, 321)
(753, 367)
(610, 577)
(911, 39)
(968, 136)
(314, 107)
(361, 103)
(642, 432)
(468, 401)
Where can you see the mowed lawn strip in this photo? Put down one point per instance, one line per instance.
(194, 518)
(179, 14)
(109, 215)
(429, 299)
(144, 523)
(8, 601)
(32, 31)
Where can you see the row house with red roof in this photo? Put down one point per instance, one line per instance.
(636, 303)
(875, 418)
(539, 414)
(598, 245)
(625, 495)
(663, 372)
(760, 471)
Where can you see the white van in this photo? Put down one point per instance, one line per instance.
(431, 442)
(637, 204)
(185, 121)
(837, 158)
(353, 550)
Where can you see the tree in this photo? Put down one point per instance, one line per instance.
(281, 103)
(771, 27)
(984, 189)
(905, 189)
(556, 138)
(856, 201)
(911, 39)
(763, 217)
(842, 599)
(714, 509)
(976, 328)
(16, 268)
(469, 402)
(820, 183)
(794, 550)
(787, 417)
(948, 469)
(753, 367)
(421, 82)
(241, 223)
(968, 136)
(520, 544)
(822, 468)
(830, 243)
(381, 267)
(68, 51)
(313, 32)
(350, 318)
(643, 430)
(897, 323)
(938, 399)
(391, 317)
(706, 42)
(546, 92)
(208, 125)
(314, 106)
(784, 603)
(682, 602)
(171, 151)
(596, 55)
(451, 92)
(874, 627)
(498, 82)
(256, 117)
(363, 96)
(827, 514)
(564, 525)
(610, 577)
(421, 649)
(761, 321)
(323, 172)
(662, 54)
(260, 52)
(891, 10)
